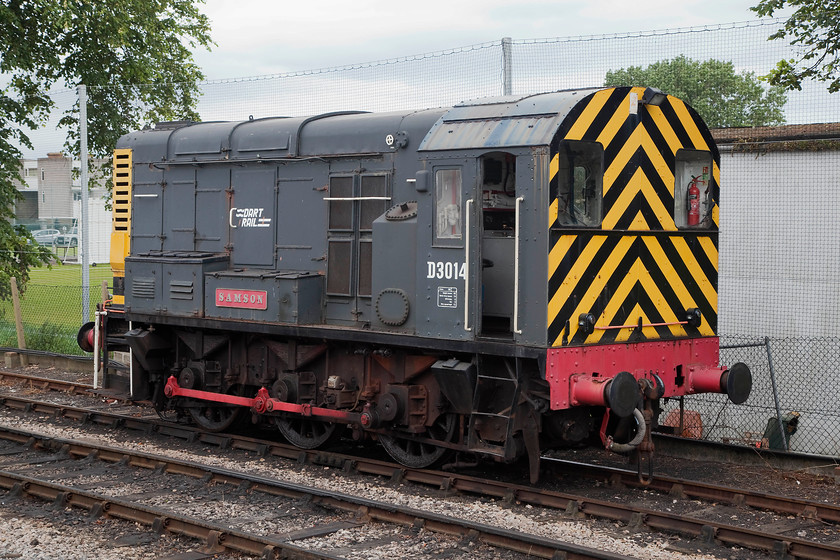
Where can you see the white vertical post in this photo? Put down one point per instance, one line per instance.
(96, 349)
(507, 67)
(130, 365)
(83, 216)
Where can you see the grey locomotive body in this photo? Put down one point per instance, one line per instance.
(436, 280)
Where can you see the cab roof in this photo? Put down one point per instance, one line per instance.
(502, 122)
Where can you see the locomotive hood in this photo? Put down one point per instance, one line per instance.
(328, 134)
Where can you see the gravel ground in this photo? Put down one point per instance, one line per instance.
(95, 540)
(548, 523)
(31, 531)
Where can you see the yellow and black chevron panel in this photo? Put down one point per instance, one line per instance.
(121, 217)
(638, 272)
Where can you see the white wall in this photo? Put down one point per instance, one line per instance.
(779, 273)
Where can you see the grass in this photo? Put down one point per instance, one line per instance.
(68, 275)
(51, 307)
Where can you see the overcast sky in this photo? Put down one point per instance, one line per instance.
(258, 37)
(263, 37)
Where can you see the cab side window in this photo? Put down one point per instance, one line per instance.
(580, 184)
(448, 215)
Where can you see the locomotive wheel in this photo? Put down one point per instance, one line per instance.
(420, 455)
(306, 433)
(214, 418)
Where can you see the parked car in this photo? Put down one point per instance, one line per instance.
(69, 239)
(45, 236)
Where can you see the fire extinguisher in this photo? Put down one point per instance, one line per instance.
(693, 202)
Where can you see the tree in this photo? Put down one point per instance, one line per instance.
(815, 28)
(105, 45)
(721, 96)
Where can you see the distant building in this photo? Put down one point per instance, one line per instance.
(52, 200)
(55, 180)
(26, 210)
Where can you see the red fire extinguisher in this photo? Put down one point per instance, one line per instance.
(693, 202)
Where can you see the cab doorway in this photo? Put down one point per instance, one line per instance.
(497, 239)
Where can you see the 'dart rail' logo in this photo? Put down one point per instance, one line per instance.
(248, 218)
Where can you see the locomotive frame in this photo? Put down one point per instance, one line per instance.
(497, 278)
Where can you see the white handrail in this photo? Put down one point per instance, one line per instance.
(97, 315)
(516, 328)
(467, 269)
(351, 198)
(131, 364)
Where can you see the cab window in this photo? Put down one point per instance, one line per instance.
(580, 184)
(692, 189)
(448, 213)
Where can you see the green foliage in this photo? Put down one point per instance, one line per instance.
(47, 337)
(18, 251)
(103, 45)
(814, 27)
(52, 338)
(721, 96)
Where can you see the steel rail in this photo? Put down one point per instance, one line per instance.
(47, 384)
(365, 509)
(680, 488)
(629, 514)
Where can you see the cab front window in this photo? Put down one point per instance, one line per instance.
(580, 184)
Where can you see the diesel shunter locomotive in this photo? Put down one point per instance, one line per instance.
(494, 279)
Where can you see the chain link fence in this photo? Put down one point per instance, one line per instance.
(51, 309)
(48, 325)
(780, 210)
(793, 405)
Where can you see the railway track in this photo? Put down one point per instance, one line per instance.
(328, 513)
(689, 489)
(807, 514)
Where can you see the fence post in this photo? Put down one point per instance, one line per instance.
(21, 340)
(507, 67)
(84, 242)
(775, 394)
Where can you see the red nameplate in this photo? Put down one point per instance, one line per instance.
(245, 299)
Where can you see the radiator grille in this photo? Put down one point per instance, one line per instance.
(143, 288)
(181, 289)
